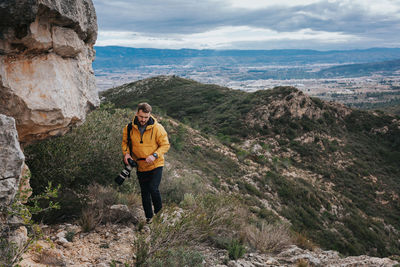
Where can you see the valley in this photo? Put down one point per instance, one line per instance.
(345, 77)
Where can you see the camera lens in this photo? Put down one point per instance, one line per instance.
(125, 172)
(119, 180)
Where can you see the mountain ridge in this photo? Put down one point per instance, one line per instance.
(296, 135)
(120, 58)
(278, 158)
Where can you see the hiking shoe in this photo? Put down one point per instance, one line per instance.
(149, 220)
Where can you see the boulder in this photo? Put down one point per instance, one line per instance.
(19, 237)
(121, 214)
(11, 160)
(46, 78)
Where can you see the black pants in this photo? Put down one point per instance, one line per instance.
(149, 182)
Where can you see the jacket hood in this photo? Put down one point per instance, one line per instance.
(152, 121)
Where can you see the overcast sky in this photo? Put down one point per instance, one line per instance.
(249, 24)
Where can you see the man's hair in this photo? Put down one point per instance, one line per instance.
(145, 107)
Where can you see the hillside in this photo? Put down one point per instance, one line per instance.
(331, 171)
(261, 170)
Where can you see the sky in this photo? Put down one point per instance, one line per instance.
(249, 24)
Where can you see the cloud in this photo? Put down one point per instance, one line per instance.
(223, 38)
(181, 23)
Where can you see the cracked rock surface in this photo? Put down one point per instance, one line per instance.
(46, 78)
(11, 160)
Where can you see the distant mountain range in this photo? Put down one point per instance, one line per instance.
(126, 57)
(357, 70)
(281, 64)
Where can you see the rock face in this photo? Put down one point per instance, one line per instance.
(47, 84)
(11, 160)
(46, 51)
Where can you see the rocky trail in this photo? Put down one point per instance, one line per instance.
(113, 245)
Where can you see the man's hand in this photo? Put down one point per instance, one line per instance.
(127, 156)
(150, 159)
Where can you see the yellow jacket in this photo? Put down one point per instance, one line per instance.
(154, 140)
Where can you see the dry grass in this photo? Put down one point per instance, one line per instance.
(101, 197)
(204, 219)
(49, 257)
(89, 219)
(302, 263)
(134, 200)
(303, 242)
(267, 237)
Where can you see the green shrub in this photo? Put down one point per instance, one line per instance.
(177, 138)
(236, 250)
(173, 189)
(268, 215)
(88, 154)
(251, 189)
(242, 154)
(70, 236)
(142, 250)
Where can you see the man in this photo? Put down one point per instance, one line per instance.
(149, 142)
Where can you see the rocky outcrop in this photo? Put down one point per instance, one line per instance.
(47, 85)
(46, 51)
(292, 102)
(11, 160)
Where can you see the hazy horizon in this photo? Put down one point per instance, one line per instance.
(234, 49)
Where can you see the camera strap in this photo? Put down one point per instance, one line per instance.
(129, 138)
(130, 141)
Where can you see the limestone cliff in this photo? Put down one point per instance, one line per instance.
(46, 51)
(47, 84)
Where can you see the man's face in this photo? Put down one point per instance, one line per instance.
(143, 117)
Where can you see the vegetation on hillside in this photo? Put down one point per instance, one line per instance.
(89, 165)
(330, 171)
(365, 144)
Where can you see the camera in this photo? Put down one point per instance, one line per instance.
(125, 172)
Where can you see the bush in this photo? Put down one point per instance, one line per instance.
(236, 250)
(268, 238)
(303, 242)
(141, 251)
(89, 219)
(88, 154)
(177, 138)
(173, 188)
(70, 236)
(205, 220)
